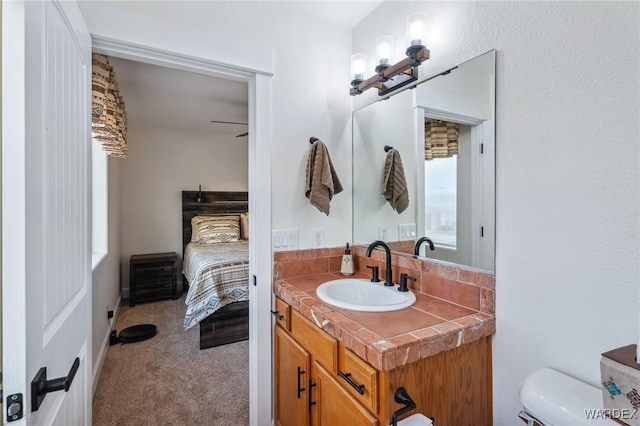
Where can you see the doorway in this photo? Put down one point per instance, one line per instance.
(173, 146)
(163, 52)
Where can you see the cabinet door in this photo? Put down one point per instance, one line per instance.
(333, 405)
(292, 364)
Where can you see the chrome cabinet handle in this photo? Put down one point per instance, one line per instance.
(277, 315)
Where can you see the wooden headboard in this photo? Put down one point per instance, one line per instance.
(215, 202)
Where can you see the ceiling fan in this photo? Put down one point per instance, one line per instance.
(233, 122)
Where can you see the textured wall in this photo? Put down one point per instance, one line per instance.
(567, 265)
(309, 98)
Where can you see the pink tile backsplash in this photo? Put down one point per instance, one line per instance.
(454, 305)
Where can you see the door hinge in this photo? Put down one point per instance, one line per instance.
(481, 148)
(482, 231)
(255, 281)
(15, 407)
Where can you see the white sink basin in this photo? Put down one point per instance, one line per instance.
(361, 294)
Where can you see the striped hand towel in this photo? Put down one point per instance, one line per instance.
(394, 184)
(322, 183)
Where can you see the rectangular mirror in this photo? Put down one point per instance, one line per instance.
(451, 196)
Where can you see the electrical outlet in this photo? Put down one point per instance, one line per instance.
(109, 314)
(318, 238)
(383, 232)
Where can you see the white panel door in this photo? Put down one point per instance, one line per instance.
(46, 263)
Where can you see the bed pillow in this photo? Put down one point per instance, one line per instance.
(215, 229)
(244, 226)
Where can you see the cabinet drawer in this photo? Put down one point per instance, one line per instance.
(353, 372)
(283, 314)
(150, 285)
(334, 405)
(153, 294)
(149, 272)
(322, 347)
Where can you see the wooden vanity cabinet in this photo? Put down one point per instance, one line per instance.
(307, 391)
(292, 373)
(453, 386)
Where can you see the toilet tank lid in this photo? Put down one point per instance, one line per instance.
(557, 399)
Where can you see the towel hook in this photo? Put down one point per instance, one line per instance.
(387, 148)
(312, 140)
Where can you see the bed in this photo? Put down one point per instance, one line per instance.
(215, 265)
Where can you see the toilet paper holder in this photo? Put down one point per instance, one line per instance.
(401, 396)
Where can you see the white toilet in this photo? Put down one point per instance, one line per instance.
(550, 398)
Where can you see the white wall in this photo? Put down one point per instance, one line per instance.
(160, 164)
(309, 98)
(106, 276)
(567, 261)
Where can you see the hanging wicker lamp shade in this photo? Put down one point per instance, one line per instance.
(108, 115)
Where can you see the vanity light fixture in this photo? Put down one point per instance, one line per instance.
(389, 76)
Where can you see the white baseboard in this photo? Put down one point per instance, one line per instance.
(97, 369)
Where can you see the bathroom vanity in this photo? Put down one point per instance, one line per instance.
(337, 366)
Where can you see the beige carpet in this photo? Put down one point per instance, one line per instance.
(168, 380)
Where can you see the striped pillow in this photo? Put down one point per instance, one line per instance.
(215, 229)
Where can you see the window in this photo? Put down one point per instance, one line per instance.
(99, 204)
(440, 182)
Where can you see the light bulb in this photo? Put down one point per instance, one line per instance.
(415, 28)
(358, 66)
(384, 49)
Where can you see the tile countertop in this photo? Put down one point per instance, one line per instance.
(387, 340)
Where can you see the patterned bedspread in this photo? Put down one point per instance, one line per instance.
(218, 274)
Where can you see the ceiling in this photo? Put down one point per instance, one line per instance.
(345, 13)
(184, 101)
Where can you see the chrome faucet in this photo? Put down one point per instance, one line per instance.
(416, 249)
(388, 281)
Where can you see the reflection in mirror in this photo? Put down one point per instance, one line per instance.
(452, 195)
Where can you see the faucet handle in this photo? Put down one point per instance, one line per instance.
(374, 273)
(403, 282)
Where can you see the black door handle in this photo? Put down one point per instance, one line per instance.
(40, 386)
